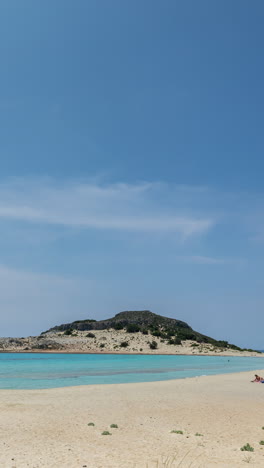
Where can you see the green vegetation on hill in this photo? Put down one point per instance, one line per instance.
(168, 329)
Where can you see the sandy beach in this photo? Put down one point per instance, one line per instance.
(217, 416)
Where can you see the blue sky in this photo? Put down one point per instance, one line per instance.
(131, 170)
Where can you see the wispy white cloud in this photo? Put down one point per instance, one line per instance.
(204, 260)
(135, 207)
(207, 260)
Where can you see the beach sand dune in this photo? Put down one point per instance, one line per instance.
(49, 428)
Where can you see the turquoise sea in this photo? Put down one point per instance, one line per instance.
(36, 371)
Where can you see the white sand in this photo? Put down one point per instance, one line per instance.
(109, 341)
(48, 428)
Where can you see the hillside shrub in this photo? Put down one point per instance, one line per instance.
(124, 344)
(90, 335)
(153, 345)
(132, 328)
(68, 332)
(177, 341)
(117, 326)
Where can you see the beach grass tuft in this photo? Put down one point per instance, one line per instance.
(174, 431)
(261, 442)
(106, 433)
(247, 448)
(90, 424)
(165, 462)
(198, 435)
(247, 459)
(114, 426)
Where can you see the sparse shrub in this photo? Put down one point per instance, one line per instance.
(156, 333)
(124, 344)
(247, 448)
(177, 341)
(117, 326)
(261, 442)
(176, 432)
(236, 348)
(153, 345)
(114, 426)
(102, 345)
(198, 435)
(91, 424)
(194, 345)
(68, 332)
(132, 328)
(141, 349)
(106, 433)
(222, 344)
(90, 335)
(145, 332)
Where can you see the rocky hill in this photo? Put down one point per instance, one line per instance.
(130, 332)
(143, 321)
(142, 318)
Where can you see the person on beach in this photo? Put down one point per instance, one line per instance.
(258, 379)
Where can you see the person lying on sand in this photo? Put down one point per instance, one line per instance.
(258, 379)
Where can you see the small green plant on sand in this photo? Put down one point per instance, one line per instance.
(90, 424)
(247, 448)
(115, 426)
(261, 442)
(176, 432)
(106, 433)
(198, 435)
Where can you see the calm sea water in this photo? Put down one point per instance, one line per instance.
(36, 371)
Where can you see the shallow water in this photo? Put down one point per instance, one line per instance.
(36, 371)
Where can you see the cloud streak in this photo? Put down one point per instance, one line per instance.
(204, 260)
(138, 207)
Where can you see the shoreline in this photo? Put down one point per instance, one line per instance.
(55, 351)
(155, 381)
(213, 418)
(151, 382)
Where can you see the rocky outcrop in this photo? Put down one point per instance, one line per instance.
(142, 318)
